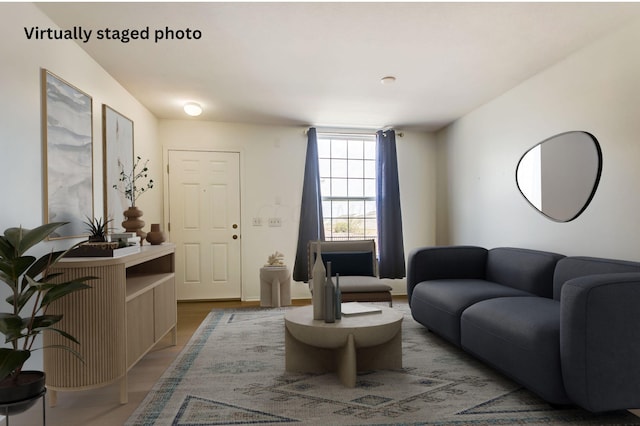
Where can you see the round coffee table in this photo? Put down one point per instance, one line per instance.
(370, 341)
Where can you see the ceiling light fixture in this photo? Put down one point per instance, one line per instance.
(388, 79)
(193, 109)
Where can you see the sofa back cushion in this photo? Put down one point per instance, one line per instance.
(524, 269)
(580, 266)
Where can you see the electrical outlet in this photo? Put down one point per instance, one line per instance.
(275, 221)
(257, 221)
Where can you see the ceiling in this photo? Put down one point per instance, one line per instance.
(321, 63)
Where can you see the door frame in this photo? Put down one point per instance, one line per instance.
(166, 205)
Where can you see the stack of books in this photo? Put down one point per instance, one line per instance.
(129, 238)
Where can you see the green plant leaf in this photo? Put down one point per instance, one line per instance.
(62, 333)
(62, 289)
(11, 326)
(23, 239)
(10, 360)
(42, 322)
(7, 251)
(23, 298)
(13, 269)
(68, 349)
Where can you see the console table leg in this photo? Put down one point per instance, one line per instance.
(347, 368)
(124, 396)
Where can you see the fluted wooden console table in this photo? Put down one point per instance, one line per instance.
(130, 307)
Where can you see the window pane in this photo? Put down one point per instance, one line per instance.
(339, 187)
(370, 150)
(339, 168)
(324, 148)
(370, 169)
(340, 209)
(338, 149)
(356, 169)
(324, 167)
(356, 188)
(355, 148)
(356, 208)
(370, 208)
(369, 187)
(325, 187)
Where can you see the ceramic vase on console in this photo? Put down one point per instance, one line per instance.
(134, 223)
(155, 236)
(318, 276)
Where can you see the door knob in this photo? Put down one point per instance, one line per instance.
(235, 226)
(235, 237)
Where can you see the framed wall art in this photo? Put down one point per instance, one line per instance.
(67, 128)
(118, 155)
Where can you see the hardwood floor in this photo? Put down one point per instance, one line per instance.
(101, 406)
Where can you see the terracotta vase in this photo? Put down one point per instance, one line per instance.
(134, 223)
(155, 236)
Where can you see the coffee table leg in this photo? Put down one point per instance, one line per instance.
(347, 368)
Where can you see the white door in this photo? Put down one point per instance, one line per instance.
(204, 223)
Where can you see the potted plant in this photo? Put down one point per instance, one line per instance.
(33, 287)
(97, 229)
(133, 184)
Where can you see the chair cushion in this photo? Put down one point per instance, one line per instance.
(362, 284)
(438, 304)
(519, 336)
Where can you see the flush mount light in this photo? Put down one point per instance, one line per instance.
(192, 109)
(388, 79)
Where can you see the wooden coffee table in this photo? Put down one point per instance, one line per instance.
(360, 342)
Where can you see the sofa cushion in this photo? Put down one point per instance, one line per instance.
(580, 266)
(519, 336)
(438, 304)
(347, 263)
(524, 269)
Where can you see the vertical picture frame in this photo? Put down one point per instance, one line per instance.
(118, 155)
(67, 129)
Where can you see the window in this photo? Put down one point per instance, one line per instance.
(347, 166)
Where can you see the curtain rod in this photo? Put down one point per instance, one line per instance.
(400, 134)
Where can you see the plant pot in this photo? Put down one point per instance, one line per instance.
(18, 397)
(134, 223)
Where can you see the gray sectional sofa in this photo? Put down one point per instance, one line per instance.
(567, 328)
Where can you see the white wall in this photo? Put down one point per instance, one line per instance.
(21, 168)
(597, 90)
(272, 167)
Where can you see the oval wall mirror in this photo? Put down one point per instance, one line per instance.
(559, 176)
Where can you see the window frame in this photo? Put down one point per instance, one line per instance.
(368, 194)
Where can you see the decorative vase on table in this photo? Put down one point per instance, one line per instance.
(329, 297)
(155, 236)
(134, 223)
(318, 277)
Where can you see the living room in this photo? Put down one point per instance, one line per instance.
(457, 182)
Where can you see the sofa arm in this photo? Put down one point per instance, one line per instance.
(431, 263)
(600, 340)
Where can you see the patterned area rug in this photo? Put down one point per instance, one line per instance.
(232, 373)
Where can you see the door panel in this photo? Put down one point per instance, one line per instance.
(204, 214)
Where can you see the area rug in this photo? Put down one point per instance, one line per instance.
(232, 373)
